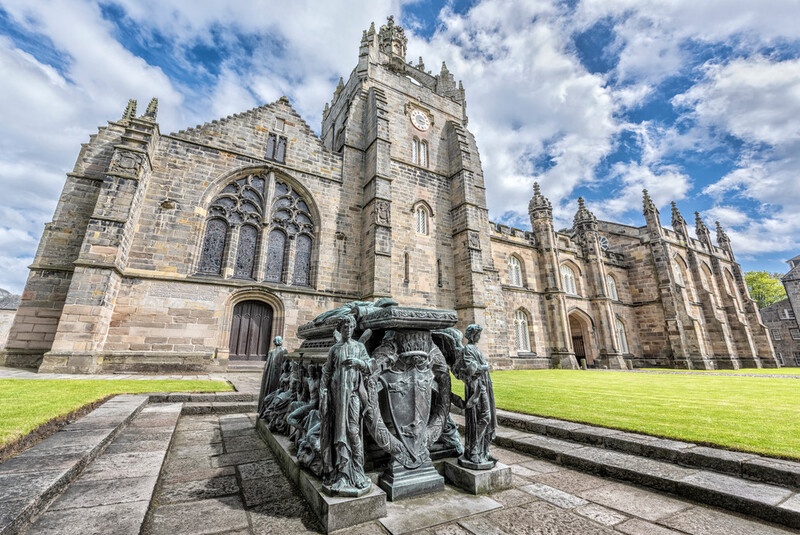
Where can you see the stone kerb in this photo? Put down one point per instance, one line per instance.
(334, 513)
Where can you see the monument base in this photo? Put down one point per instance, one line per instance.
(399, 482)
(334, 512)
(477, 481)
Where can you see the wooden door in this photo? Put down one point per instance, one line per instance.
(251, 330)
(580, 350)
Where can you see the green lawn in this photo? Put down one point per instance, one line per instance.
(755, 414)
(26, 404)
(745, 371)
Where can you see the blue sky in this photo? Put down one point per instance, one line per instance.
(695, 101)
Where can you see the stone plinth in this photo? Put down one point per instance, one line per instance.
(400, 482)
(477, 481)
(334, 513)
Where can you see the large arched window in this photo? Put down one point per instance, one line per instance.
(622, 338)
(611, 283)
(237, 219)
(521, 334)
(568, 280)
(514, 271)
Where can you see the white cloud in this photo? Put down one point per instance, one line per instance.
(664, 184)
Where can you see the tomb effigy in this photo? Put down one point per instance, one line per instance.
(369, 390)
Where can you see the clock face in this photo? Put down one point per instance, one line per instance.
(420, 120)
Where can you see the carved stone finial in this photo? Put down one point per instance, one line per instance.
(584, 219)
(130, 110)
(152, 109)
(364, 37)
(698, 222)
(371, 28)
(678, 222)
(647, 203)
(722, 236)
(444, 70)
(539, 207)
(421, 64)
(339, 87)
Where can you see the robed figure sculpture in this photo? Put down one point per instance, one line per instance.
(341, 394)
(479, 410)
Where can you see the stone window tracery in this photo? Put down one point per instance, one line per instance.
(421, 219)
(568, 279)
(292, 215)
(213, 252)
(612, 287)
(521, 334)
(237, 220)
(514, 271)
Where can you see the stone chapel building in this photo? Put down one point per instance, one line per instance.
(781, 318)
(188, 250)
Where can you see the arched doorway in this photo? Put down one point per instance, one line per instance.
(580, 331)
(251, 330)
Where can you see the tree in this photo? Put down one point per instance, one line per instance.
(765, 288)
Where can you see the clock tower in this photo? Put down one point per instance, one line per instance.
(414, 168)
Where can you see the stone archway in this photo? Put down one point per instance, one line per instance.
(251, 330)
(580, 329)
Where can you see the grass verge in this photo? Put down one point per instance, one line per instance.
(744, 371)
(34, 408)
(753, 414)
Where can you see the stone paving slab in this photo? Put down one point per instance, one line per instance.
(406, 516)
(113, 493)
(33, 478)
(117, 519)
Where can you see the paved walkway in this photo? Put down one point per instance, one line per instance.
(218, 477)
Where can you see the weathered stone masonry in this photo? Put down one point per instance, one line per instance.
(180, 251)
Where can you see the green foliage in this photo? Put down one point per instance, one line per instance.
(765, 288)
(754, 414)
(25, 404)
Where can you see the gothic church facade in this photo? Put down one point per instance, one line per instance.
(186, 251)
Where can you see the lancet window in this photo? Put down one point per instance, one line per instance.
(622, 338)
(568, 279)
(514, 271)
(521, 334)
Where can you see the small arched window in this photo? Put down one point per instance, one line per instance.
(423, 154)
(514, 271)
(622, 338)
(421, 218)
(521, 335)
(568, 279)
(612, 287)
(415, 151)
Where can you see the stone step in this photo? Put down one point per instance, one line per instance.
(739, 464)
(114, 492)
(34, 478)
(589, 452)
(219, 407)
(202, 397)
